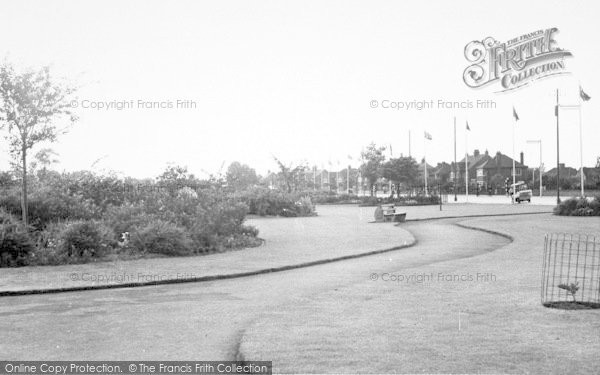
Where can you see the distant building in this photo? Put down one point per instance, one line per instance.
(565, 172)
(430, 171)
(488, 171)
(442, 172)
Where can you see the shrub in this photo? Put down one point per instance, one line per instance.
(126, 218)
(331, 197)
(305, 207)
(47, 205)
(263, 201)
(86, 239)
(578, 207)
(15, 242)
(160, 237)
(370, 201)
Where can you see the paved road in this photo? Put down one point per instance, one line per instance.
(201, 321)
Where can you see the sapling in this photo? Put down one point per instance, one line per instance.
(571, 288)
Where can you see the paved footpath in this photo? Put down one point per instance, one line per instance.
(204, 321)
(488, 320)
(338, 231)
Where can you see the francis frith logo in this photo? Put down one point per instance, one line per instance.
(514, 63)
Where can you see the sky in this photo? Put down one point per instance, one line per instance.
(297, 80)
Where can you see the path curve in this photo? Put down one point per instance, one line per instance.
(200, 320)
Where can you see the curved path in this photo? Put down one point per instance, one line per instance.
(203, 320)
(483, 315)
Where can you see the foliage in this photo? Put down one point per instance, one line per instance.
(402, 170)
(578, 207)
(330, 197)
(160, 237)
(15, 242)
(47, 204)
(305, 207)
(571, 288)
(86, 238)
(291, 178)
(30, 101)
(371, 169)
(263, 201)
(240, 176)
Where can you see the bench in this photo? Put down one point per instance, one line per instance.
(389, 213)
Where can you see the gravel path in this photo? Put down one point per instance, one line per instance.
(473, 315)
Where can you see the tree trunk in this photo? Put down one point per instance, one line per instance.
(24, 187)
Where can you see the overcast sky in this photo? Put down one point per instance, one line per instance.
(295, 79)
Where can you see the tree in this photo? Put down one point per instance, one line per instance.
(240, 176)
(371, 169)
(290, 176)
(43, 159)
(402, 170)
(30, 101)
(176, 177)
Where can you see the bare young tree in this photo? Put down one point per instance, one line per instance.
(30, 101)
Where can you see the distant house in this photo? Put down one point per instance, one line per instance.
(565, 172)
(441, 172)
(591, 177)
(488, 171)
(498, 168)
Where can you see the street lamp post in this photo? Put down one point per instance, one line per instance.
(539, 142)
(577, 107)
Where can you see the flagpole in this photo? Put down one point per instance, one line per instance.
(425, 161)
(466, 167)
(581, 146)
(513, 158)
(409, 151)
(557, 152)
(541, 163)
(455, 199)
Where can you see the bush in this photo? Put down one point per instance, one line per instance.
(304, 207)
(46, 205)
(578, 207)
(331, 197)
(215, 225)
(15, 242)
(126, 218)
(370, 201)
(160, 237)
(86, 239)
(263, 201)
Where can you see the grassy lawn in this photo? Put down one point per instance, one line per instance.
(491, 325)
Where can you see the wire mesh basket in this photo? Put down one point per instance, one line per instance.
(571, 271)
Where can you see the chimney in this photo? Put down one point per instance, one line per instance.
(522, 160)
(476, 153)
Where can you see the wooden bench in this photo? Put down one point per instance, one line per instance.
(389, 213)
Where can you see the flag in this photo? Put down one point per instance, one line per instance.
(583, 95)
(428, 136)
(515, 114)
(468, 128)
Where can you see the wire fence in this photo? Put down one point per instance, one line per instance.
(571, 271)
